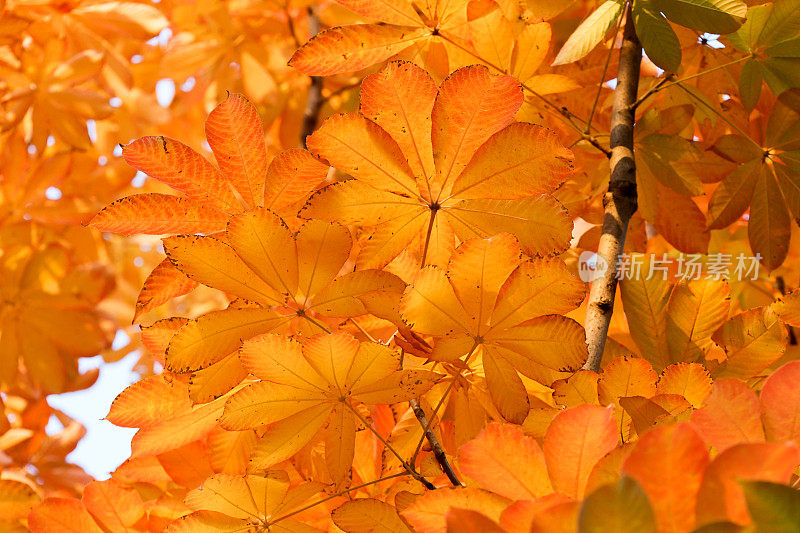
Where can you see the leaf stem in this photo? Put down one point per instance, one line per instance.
(660, 86)
(438, 451)
(408, 468)
(332, 496)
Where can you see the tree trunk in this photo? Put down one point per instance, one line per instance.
(620, 200)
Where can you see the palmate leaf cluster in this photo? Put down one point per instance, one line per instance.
(379, 325)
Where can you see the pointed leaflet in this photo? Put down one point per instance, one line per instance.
(721, 497)
(780, 403)
(713, 16)
(519, 160)
(730, 415)
(177, 430)
(209, 338)
(291, 176)
(352, 48)
(696, 309)
(769, 228)
(236, 136)
(668, 462)
(622, 506)
(644, 299)
(215, 380)
(753, 340)
(156, 214)
(657, 36)
(589, 33)
(164, 283)
(460, 126)
(506, 461)
(399, 99)
(214, 263)
(358, 146)
(267, 246)
(183, 169)
(576, 439)
(148, 402)
(246, 497)
(367, 516)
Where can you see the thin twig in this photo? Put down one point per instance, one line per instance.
(314, 101)
(438, 451)
(602, 82)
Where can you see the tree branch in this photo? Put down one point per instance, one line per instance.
(438, 451)
(314, 101)
(620, 200)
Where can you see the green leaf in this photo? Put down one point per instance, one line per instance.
(750, 80)
(713, 16)
(590, 32)
(657, 37)
(622, 506)
(774, 508)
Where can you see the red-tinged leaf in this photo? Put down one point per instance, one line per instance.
(399, 99)
(690, 380)
(730, 415)
(368, 516)
(780, 403)
(157, 214)
(460, 126)
(622, 506)
(668, 462)
(236, 136)
(180, 167)
(428, 514)
(576, 439)
(291, 177)
(646, 412)
(468, 521)
(149, 401)
(507, 462)
(163, 284)
(558, 518)
(351, 48)
(721, 497)
(61, 515)
(115, 507)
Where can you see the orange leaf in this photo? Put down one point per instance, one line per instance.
(576, 439)
(352, 48)
(156, 214)
(668, 462)
(113, 506)
(730, 415)
(428, 514)
(368, 516)
(61, 515)
(180, 167)
(506, 461)
(690, 380)
(236, 136)
(780, 403)
(164, 283)
(721, 497)
(147, 402)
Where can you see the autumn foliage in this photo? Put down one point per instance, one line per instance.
(358, 297)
